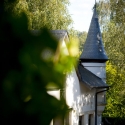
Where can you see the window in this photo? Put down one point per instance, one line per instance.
(90, 119)
(81, 118)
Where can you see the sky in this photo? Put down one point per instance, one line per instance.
(81, 13)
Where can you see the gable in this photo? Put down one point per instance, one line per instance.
(89, 79)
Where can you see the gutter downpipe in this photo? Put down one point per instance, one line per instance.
(96, 103)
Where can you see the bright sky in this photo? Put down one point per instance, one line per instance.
(81, 13)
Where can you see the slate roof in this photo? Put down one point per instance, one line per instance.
(59, 34)
(89, 79)
(93, 49)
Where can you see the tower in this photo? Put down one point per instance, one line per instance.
(93, 56)
(93, 59)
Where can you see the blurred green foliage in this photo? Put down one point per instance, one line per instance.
(27, 70)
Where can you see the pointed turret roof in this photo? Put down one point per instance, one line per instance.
(93, 49)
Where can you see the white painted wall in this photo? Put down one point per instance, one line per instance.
(88, 99)
(73, 95)
(80, 98)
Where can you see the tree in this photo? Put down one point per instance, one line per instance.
(118, 11)
(103, 9)
(82, 38)
(114, 44)
(116, 95)
(113, 29)
(113, 37)
(52, 14)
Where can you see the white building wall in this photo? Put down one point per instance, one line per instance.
(80, 98)
(73, 95)
(88, 99)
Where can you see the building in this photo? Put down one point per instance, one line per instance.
(86, 85)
